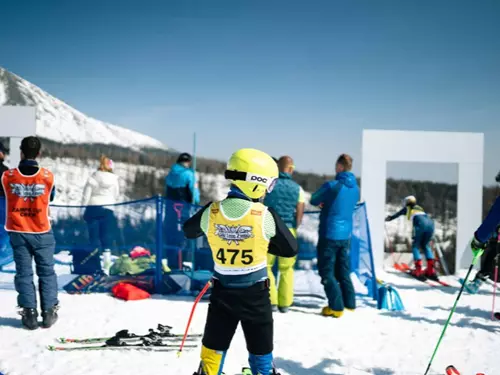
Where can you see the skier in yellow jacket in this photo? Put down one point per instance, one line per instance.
(240, 232)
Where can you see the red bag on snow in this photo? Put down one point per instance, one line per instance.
(129, 292)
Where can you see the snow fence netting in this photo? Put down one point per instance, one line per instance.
(174, 264)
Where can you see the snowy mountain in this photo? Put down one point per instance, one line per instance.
(60, 122)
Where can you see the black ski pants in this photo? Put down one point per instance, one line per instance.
(229, 306)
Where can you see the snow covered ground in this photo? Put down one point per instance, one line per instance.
(368, 341)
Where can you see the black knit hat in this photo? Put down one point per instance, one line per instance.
(497, 178)
(184, 157)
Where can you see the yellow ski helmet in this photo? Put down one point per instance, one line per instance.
(410, 200)
(254, 172)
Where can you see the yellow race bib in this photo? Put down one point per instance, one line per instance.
(238, 245)
(415, 211)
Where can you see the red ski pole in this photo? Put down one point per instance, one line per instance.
(494, 289)
(200, 295)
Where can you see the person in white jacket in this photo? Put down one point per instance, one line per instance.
(102, 189)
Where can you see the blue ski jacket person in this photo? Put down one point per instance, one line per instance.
(337, 199)
(180, 183)
(181, 193)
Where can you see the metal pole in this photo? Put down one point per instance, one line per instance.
(193, 242)
(159, 243)
(194, 155)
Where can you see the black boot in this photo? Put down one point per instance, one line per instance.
(29, 318)
(50, 316)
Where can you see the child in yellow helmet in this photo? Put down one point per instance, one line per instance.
(240, 232)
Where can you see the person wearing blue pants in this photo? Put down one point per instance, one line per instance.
(423, 231)
(28, 190)
(337, 199)
(181, 191)
(100, 192)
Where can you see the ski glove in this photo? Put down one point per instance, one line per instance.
(477, 247)
(388, 218)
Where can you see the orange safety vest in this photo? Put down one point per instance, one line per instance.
(27, 200)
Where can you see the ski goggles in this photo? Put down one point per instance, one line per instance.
(268, 182)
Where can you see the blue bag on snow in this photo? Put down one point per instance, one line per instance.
(389, 299)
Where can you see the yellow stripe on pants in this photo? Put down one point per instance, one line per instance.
(283, 295)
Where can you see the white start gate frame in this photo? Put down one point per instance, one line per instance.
(17, 122)
(464, 149)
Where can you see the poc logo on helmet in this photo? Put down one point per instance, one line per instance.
(259, 179)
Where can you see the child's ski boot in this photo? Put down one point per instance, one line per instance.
(418, 273)
(430, 271)
(473, 286)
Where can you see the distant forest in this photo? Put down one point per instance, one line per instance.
(439, 199)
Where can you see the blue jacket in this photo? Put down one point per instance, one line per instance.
(483, 233)
(339, 198)
(180, 185)
(284, 198)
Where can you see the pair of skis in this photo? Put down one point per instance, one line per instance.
(428, 281)
(161, 339)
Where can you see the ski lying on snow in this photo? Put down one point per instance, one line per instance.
(116, 343)
(156, 348)
(97, 340)
(162, 331)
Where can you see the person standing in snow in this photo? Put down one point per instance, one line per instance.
(337, 199)
(240, 283)
(423, 231)
(287, 199)
(28, 190)
(180, 183)
(102, 189)
(182, 193)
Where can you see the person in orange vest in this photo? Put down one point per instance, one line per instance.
(29, 189)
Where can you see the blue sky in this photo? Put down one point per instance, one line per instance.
(289, 77)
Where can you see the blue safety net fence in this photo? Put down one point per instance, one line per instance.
(147, 244)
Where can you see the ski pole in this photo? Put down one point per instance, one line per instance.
(476, 257)
(202, 293)
(494, 288)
